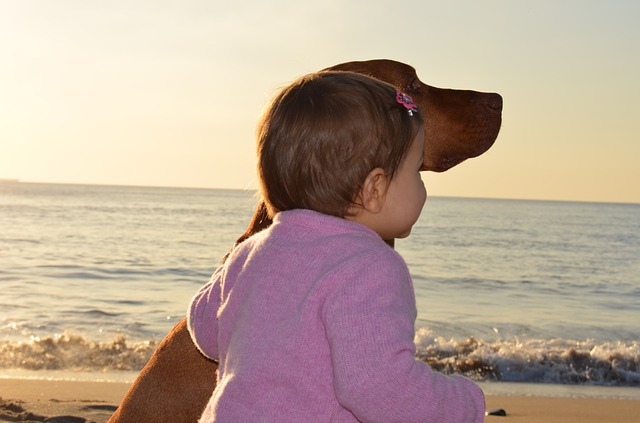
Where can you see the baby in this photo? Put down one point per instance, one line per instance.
(312, 319)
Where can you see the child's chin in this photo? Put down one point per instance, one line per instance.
(404, 235)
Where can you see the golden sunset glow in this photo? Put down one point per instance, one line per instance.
(169, 93)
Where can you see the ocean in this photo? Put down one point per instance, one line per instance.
(511, 293)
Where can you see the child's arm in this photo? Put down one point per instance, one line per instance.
(370, 326)
(202, 319)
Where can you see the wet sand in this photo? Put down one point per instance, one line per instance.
(57, 401)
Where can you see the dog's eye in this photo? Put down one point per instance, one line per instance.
(414, 84)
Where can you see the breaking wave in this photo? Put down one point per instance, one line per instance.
(75, 353)
(555, 361)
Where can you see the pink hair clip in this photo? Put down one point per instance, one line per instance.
(407, 102)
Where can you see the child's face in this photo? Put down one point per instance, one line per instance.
(406, 194)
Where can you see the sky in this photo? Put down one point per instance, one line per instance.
(168, 93)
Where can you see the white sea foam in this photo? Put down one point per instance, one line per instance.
(559, 361)
(555, 361)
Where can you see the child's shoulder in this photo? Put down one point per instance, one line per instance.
(359, 255)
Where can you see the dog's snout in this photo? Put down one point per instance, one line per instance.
(494, 102)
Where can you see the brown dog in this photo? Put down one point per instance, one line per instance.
(177, 382)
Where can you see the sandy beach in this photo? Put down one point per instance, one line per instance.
(78, 401)
(70, 401)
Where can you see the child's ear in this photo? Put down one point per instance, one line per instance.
(374, 190)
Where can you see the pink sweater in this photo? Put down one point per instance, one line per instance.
(312, 320)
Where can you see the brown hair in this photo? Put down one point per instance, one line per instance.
(323, 134)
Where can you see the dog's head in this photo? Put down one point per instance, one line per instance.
(459, 124)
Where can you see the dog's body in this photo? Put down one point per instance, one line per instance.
(177, 382)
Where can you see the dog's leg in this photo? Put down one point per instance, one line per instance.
(176, 367)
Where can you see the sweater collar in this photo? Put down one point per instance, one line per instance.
(320, 221)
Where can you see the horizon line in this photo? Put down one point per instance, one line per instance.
(18, 181)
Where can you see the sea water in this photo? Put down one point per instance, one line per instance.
(93, 277)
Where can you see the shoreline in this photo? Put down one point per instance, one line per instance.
(32, 399)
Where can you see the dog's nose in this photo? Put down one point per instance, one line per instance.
(494, 102)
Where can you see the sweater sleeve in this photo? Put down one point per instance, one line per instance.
(202, 320)
(369, 321)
